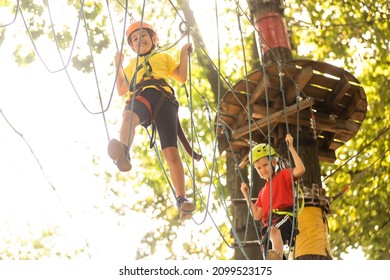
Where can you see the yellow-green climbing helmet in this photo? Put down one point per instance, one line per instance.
(262, 150)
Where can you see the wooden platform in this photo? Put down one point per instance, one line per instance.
(335, 95)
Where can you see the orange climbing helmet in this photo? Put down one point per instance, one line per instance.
(138, 25)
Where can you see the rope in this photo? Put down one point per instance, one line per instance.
(361, 150)
(223, 202)
(295, 195)
(65, 65)
(212, 170)
(250, 213)
(15, 16)
(190, 104)
(220, 76)
(54, 36)
(125, 8)
(270, 160)
(95, 74)
(129, 84)
(217, 69)
(261, 38)
(220, 198)
(346, 187)
(53, 188)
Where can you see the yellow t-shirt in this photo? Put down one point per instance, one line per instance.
(162, 67)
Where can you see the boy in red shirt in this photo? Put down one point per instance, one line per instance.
(282, 195)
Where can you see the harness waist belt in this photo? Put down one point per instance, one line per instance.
(151, 82)
(159, 84)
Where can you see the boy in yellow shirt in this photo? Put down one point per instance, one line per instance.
(154, 103)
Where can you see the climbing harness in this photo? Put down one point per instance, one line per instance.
(159, 84)
(290, 211)
(148, 80)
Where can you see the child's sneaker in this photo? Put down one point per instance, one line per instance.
(186, 207)
(119, 153)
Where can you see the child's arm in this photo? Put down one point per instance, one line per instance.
(121, 84)
(180, 73)
(299, 168)
(256, 211)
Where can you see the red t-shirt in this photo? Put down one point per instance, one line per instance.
(282, 193)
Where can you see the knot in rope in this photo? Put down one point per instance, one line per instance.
(185, 29)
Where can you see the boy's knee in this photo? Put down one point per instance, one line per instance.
(275, 232)
(171, 153)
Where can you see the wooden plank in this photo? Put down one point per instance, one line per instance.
(338, 92)
(287, 68)
(255, 75)
(259, 89)
(330, 125)
(242, 119)
(358, 116)
(324, 68)
(234, 97)
(241, 143)
(228, 120)
(315, 92)
(230, 108)
(300, 82)
(241, 86)
(323, 81)
(358, 104)
(334, 145)
(273, 117)
(344, 136)
(244, 161)
(260, 111)
(326, 155)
